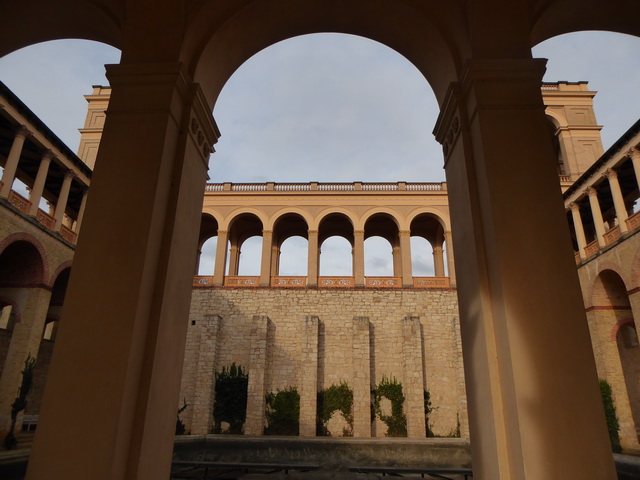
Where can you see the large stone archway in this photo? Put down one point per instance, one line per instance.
(515, 272)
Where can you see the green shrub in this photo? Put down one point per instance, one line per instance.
(180, 427)
(20, 402)
(428, 409)
(335, 398)
(610, 413)
(283, 412)
(231, 399)
(397, 421)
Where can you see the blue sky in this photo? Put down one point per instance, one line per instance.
(325, 107)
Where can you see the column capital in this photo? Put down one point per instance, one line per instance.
(358, 232)
(23, 131)
(222, 232)
(574, 207)
(69, 174)
(610, 173)
(267, 232)
(633, 153)
(591, 191)
(404, 233)
(48, 155)
(312, 232)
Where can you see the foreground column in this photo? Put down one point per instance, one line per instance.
(515, 301)
(109, 409)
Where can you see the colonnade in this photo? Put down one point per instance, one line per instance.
(602, 208)
(47, 167)
(354, 212)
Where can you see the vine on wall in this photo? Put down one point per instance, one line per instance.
(392, 390)
(332, 399)
(231, 399)
(283, 412)
(610, 414)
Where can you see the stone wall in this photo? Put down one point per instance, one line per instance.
(313, 338)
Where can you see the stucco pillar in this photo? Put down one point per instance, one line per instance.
(405, 253)
(451, 265)
(618, 201)
(275, 260)
(38, 185)
(267, 250)
(11, 165)
(257, 371)
(596, 212)
(221, 258)
(361, 377)
(579, 229)
(234, 260)
(358, 257)
(120, 348)
(308, 376)
(513, 301)
(396, 256)
(32, 309)
(413, 377)
(634, 155)
(61, 204)
(438, 261)
(83, 205)
(313, 258)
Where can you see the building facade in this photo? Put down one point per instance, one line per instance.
(317, 331)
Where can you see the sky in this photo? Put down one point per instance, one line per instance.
(324, 107)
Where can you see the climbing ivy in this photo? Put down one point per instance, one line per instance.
(283, 412)
(610, 413)
(231, 398)
(392, 390)
(335, 398)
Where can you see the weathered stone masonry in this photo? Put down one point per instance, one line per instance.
(313, 338)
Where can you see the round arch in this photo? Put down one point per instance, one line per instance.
(444, 221)
(277, 216)
(27, 259)
(264, 23)
(230, 219)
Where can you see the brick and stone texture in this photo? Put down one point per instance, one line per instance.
(610, 284)
(315, 338)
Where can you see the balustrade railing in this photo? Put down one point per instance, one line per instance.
(206, 281)
(633, 221)
(324, 187)
(591, 249)
(288, 281)
(45, 219)
(577, 257)
(19, 201)
(612, 235)
(431, 282)
(336, 282)
(238, 281)
(68, 234)
(383, 282)
(203, 281)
